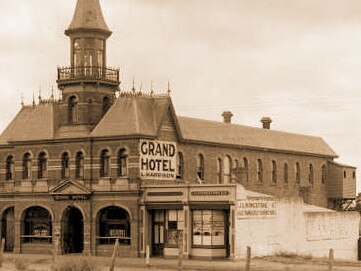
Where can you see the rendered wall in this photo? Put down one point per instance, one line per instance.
(298, 229)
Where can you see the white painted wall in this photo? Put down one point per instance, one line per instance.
(297, 228)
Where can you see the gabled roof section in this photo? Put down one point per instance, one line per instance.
(31, 123)
(245, 136)
(139, 115)
(70, 187)
(88, 15)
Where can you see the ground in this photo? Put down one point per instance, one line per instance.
(44, 263)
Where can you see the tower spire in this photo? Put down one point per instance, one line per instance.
(88, 15)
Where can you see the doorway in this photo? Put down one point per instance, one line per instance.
(8, 232)
(158, 233)
(72, 231)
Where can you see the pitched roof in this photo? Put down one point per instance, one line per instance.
(31, 123)
(133, 115)
(240, 135)
(88, 15)
(142, 115)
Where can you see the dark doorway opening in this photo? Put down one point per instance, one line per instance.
(72, 231)
(8, 232)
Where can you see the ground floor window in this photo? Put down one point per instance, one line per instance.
(37, 226)
(174, 227)
(113, 223)
(209, 227)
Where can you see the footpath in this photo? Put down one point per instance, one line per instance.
(43, 262)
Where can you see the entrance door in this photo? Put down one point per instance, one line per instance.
(158, 233)
(8, 232)
(72, 231)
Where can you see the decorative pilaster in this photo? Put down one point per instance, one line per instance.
(187, 231)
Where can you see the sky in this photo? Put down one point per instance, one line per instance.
(296, 61)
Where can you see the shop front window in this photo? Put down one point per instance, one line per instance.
(174, 227)
(209, 228)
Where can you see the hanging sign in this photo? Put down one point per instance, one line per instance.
(158, 160)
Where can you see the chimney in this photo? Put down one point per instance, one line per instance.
(227, 116)
(266, 122)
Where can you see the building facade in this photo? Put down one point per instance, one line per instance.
(95, 166)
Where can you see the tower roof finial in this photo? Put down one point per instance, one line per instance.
(88, 15)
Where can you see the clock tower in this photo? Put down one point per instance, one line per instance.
(88, 86)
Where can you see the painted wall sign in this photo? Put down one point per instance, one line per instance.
(256, 207)
(158, 160)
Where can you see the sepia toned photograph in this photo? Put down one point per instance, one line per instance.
(180, 135)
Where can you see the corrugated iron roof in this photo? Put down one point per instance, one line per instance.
(245, 136)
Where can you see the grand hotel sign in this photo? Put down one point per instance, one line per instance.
(158, 160)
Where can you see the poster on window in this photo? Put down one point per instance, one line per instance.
(158, 160)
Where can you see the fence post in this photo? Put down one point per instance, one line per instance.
(180, 254)
(116, 244)
(2, 251)
(248, 259)
(330, 259)
(147, 256)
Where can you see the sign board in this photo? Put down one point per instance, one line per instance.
(158, 160)
(256, 207)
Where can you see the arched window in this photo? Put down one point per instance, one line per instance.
(113, 223)
(122, 163)
(42, 165)
(79, 165)
(285, 173)
(104, 163)
(106, 105)
(180, 165)
(274, 171)
(26, 166)
(37, 226)
(72, 110)
(245, 167)
(9, 168)
(227, 164)
(200, 167)
(310, 173)
(324, 173)
(297, 173)
(65, 169)
(259, 171)
(344, 174)
(219, 170)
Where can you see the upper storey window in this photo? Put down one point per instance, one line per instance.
(10, 168)
(104, 163)
(26, 166)
(323, 173)
(259, 170)
(219, 170)
(297, 173)
(310, 173)
(245, 167)
(274, 171)
(72, 110)
(180, 165)
(42, 165)
(285, 173)
(65, 169)
(79, 165)
(200, 167)
(227, 164)
(122, 163)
